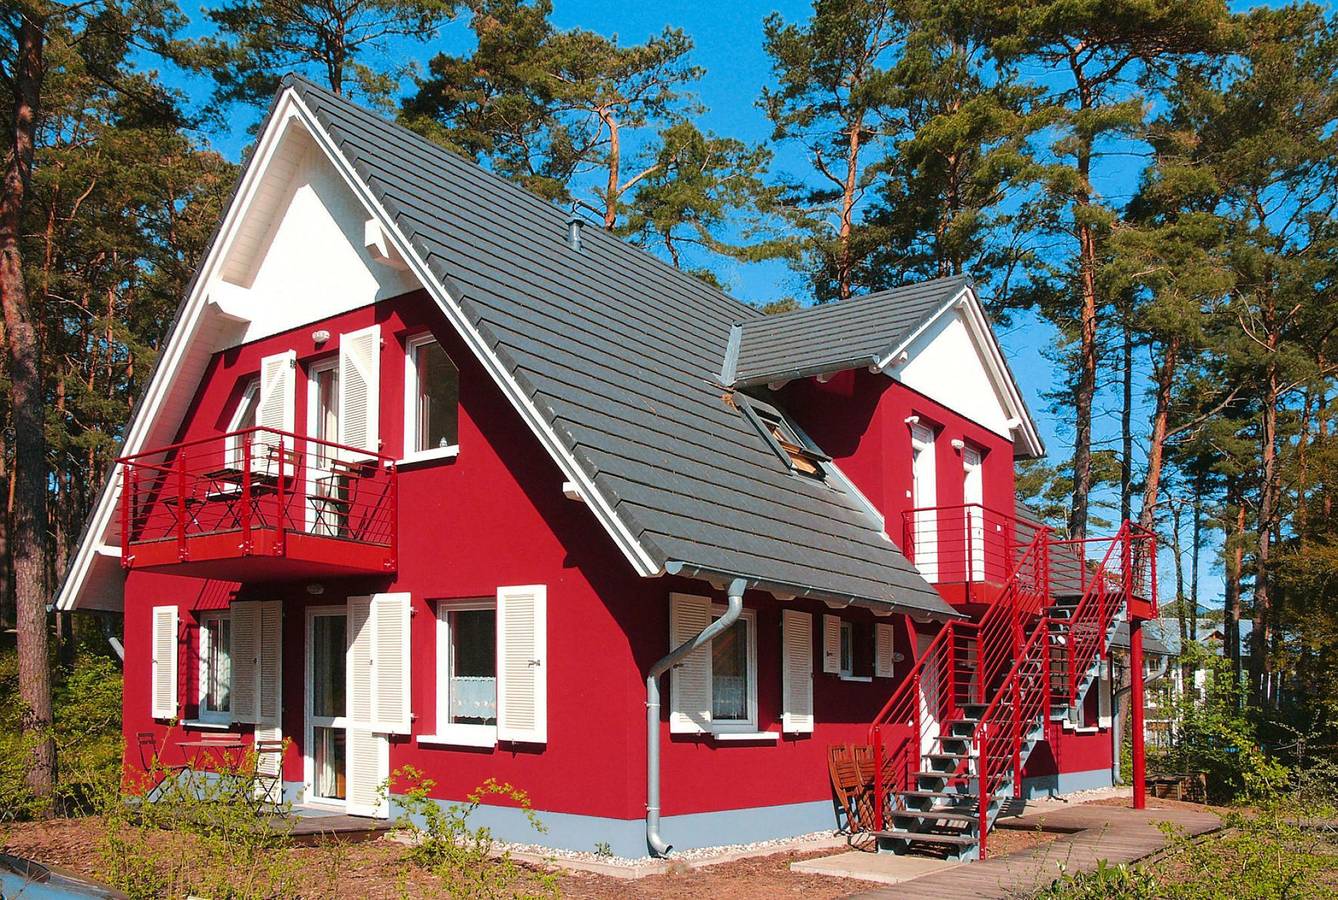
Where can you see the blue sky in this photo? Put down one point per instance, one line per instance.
(728, 44)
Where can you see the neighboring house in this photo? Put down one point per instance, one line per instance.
(431, 474)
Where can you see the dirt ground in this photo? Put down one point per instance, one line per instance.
(377, 869)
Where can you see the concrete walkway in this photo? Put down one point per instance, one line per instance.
(1114, 833)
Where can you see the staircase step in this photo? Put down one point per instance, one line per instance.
(957, 840)
(932, 815)
(937, 795)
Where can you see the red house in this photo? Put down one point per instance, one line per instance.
(429, 473)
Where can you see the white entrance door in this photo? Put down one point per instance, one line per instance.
(973, 495)
(924, 497)
(326, 756)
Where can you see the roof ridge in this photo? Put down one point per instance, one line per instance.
(862, 300)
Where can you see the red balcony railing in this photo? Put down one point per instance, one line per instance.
(260, 493)
(965, 544)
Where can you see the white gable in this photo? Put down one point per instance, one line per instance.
(302, 256)
(944, 363)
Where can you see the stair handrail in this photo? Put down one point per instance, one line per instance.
(997, 632)
(1005, 725)
(1091, 618)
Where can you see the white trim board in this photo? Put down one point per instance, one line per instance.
(183, 361)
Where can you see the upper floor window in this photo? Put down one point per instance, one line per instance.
(215, 667)
(243, 419)
(794, 449)
(432, 398)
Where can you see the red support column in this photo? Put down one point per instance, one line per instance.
(1136, 711)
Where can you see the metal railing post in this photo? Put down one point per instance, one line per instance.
(281, 511)
(982, 767)
(126, 501)
(393, 471)
(246, 494)
(879, 789)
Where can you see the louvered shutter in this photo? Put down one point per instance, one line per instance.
(831, 644)
(358, 665)
(522, 664)
(359, 388)
(690, 680)
(366, 763)
(796, 671)
(390, 663)
(883, 650)
(270, 668)
(163, 692)
(245, 684)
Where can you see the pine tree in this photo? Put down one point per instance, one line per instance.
(830, 93)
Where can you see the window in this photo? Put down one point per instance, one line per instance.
(467, 672)
(847, 649)
(786, 442)
(734, 674)
(215, 667)
(431, 400)
(324, 383)
(243, 419)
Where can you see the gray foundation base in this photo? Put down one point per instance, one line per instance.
(627, 837)
(1065, 783)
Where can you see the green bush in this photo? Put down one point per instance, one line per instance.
(463, 858)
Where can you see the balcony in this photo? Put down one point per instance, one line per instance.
(258, 505)
(968, 545)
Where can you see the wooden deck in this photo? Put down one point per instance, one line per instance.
(308, 828)
(1113, 833)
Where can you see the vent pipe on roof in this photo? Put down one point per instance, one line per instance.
(733, 610)
(574, 225)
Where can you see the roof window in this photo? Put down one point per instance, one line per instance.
(795, 450)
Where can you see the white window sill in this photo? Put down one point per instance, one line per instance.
(750, 736)
(862, 679)
(462, 736)
(425, 456)
(206, 725)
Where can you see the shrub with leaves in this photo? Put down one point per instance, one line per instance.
(463, 858)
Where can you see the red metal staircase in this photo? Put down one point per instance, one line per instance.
(950, 744)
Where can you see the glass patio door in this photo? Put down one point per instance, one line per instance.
(327, 728)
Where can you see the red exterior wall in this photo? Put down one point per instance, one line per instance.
(494, 516)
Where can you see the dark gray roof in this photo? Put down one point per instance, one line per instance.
(621, 354)
(833, 337)
(1151, 643)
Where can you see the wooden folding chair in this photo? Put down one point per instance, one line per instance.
(150, 757)
(266, 788)
(854, 793)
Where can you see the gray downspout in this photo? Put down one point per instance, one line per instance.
(657, 844)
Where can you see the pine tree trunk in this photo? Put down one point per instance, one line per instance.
(1126, 427)
(1147, 517)
(1260, 643)
(28, 520)
(845, 264)
(1085, 393)
(1235, 559)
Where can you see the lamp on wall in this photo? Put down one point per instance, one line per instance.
(958, 444)
(320, 337)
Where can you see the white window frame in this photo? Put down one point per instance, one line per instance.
(449, 733)
(203, 713)
(739, 726)
(315, 474)
(232, 445)
(411, 347)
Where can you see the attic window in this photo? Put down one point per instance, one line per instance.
(794, 450)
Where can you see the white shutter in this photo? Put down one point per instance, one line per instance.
(883, 650)
(359, 388)
(270, 670)
(164, 688)
(277, 377)
(690, 680)
(796, 671)
(390, 663)
(358, 666)
(245, 685)
(831, 644)
(522, 664)
(367, 763)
